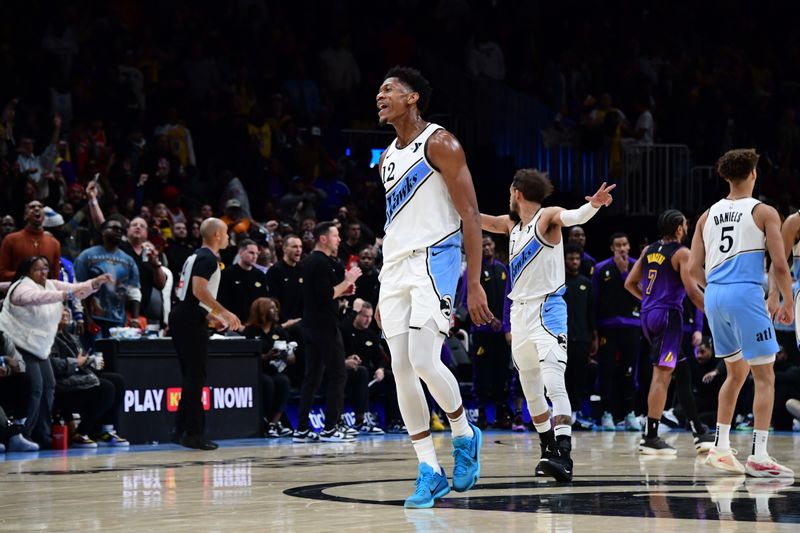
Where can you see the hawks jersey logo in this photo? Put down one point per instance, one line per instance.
(562, 341)
(446, 305)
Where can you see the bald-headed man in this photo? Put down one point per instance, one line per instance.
(197, 309)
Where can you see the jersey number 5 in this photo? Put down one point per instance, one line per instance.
(727, 240)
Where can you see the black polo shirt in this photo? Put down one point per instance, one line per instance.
(285, 284)
(321, 274)
(239, 288)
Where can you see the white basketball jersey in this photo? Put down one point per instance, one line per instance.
(734, 243)
(419, 210)
(536, 266)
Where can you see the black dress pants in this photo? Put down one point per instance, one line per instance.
(190, 337)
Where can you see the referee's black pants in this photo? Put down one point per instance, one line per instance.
(324, 356)
(190, 337)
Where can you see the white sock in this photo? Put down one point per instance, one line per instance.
(563, 429)
(723, 440)
(542, 427)
(426, 452)
(760, 442)
(762, 506)
(106, 428)
(460, 426)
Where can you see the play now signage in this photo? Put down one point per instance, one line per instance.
(157, 400)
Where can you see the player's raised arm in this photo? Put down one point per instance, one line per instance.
(445, 153)
(582, 215)
(493, 224)
(697, 256)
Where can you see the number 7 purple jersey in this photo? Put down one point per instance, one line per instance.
(662, 287)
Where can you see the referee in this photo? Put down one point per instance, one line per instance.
(188, 324)
(326, 282)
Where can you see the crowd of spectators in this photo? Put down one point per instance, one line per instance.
(125, 125)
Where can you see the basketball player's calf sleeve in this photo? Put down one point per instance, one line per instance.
(425, 354)
(553, 378)
(533, 388)
(410, 396)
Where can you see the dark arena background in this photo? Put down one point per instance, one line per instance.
(157, 115)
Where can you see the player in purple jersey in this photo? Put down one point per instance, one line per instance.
(663, 272)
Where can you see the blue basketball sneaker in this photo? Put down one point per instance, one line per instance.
(430, 487)
(467, 456)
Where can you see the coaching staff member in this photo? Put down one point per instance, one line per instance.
(188, 324)
(325, 282)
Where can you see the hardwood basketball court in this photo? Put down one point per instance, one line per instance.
(274, 485)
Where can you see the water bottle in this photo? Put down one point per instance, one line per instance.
(60, 435)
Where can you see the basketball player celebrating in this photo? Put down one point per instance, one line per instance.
(730, 239)
(429, 196)
(538, 310)
(665, 264)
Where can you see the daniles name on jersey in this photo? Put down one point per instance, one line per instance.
(729, 216)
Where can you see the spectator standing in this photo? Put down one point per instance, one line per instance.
(180, 138)
(576, 235)
(645, 126)
(285, 281)
(242, 283)
(30, 317)
(326, 283)
(340, 71)
(34, 166)
(7, 226)
(106, 308)
(29, 241)
(67, 275)
(178, 249)
(235, 218)
(368, 286)
(353, 243)
(148, 261)
(581, 327)
(490, 349)
(619, 330)
(485, 57)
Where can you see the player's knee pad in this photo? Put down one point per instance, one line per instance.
(553, 377)
(533, 388)
(425, 350)
(425, 355)
(398, 350)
